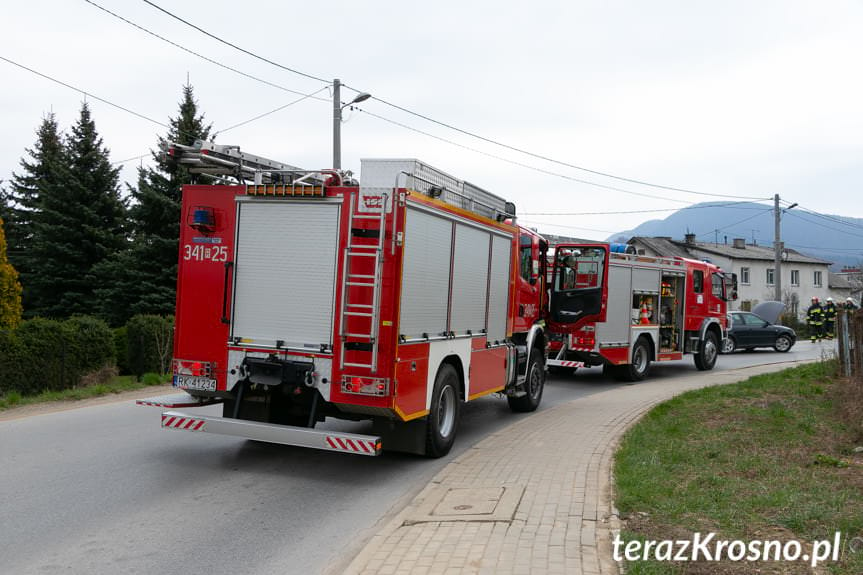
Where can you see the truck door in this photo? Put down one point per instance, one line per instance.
(579, 286)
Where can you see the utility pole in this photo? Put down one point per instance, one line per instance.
(777, 249)
(337, 125)
(337, 119)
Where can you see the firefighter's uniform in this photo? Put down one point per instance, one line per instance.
(829, 318)
(815, 320)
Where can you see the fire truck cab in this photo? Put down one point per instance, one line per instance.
(624, 311)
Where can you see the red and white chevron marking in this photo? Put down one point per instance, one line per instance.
(185, 423)
(570, 363)
(351, 445)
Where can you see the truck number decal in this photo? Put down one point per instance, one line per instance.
(199, 253)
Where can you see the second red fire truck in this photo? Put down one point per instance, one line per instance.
(624, 311)
(304, 296)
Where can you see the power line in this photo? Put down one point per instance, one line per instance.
(88, 94)
(830, 218)
(234, 46)
(201, 56)
(762, 212)
(565, 226)
(142, 116)
(823, 225)
(552, 160)
(514, 162)
(449, 126)
(691, 207)
(279, 109)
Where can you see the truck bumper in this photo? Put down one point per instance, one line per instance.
(273, 433)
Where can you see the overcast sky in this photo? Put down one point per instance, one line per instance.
(733, 98)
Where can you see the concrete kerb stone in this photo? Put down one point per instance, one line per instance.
(579, 518)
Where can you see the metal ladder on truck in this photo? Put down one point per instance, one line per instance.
(362, 306)
(218, 160)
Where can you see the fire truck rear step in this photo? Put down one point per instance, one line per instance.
(177, 400)
(273, 433)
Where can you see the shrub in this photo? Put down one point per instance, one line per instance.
(149, 341)
(101, 376)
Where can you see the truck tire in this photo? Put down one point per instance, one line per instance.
(639, 367)
(534, 384)
(708, 349)
(443, 414)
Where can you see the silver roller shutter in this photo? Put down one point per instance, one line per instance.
(285, 272)
(470, 280)
(425, 276)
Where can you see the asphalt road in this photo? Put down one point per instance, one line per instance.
(103, 490)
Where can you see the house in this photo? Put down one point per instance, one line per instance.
(803, 277)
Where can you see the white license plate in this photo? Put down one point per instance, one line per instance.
(195, 383)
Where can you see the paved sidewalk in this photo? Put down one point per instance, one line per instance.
(533, 498)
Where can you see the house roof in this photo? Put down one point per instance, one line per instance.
(667, 247)
(663, 246)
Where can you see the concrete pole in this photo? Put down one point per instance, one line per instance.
(337, 125)
(777, 249)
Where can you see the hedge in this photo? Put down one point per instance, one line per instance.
(50, 355)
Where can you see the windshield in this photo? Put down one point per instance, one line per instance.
(579, 268)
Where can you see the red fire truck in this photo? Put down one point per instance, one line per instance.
(305, 296)
(624, 311)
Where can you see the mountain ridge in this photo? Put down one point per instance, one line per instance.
(837, 239)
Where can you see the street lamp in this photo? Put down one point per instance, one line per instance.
(337, 120)
(778, 247)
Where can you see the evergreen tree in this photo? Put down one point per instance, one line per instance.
(143, 279)
(78, 223)
(10, 289)
(21, 202)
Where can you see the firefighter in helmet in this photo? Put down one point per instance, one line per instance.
(829, 318)
(815, 320)
(849, 304)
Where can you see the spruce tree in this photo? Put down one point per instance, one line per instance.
(78, 224)
(142, 280)
(21, 203)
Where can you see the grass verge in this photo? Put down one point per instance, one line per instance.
(766, 459)
(117, 384)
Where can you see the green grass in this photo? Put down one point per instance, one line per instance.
(767, 458)
(117, 385)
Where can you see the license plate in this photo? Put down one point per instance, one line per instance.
(195, 383)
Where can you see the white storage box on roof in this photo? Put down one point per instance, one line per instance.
(380, 176)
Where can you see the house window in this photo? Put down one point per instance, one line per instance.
(816, 279)
(770, 276)
(744, 276)
(795, 277)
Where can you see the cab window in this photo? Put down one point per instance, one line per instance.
(698, 281)
(579, 268)
(525, 258)
(717, 285)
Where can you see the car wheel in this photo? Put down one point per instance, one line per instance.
(729, 345)
(783, 343)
